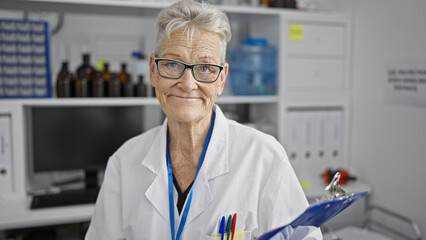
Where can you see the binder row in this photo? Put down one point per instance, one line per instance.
(24, 59)
(314, 141)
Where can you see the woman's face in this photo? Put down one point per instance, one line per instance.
(185, 99)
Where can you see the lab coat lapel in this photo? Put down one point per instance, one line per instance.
(215, 164)
(155, 161)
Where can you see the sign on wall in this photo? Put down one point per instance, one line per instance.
(406, 83)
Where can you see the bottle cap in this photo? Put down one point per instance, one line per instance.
(138, 54)
(255, 41)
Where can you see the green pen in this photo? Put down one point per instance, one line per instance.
(228, 227)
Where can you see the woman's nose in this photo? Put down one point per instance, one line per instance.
(187, 81)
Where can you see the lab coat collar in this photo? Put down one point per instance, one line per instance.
(155, 161)
(216, 161)
(215, 164)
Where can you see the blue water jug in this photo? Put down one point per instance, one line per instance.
(252, 68)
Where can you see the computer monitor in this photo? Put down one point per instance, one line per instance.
(63, 138)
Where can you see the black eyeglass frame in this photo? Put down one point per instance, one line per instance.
(190, 66)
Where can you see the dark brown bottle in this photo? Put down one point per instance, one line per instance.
(106, 76)
(126, 82)
(64, 81)
(87, 71)
(140, 88)
(123, 75)
(81, 87)
(114, 87)
(127, 89)
(267, 3)
(98, 86)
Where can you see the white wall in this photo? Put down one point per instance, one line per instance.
(388, 140)
(85, 33)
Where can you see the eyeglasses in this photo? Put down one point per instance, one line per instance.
(174, 69)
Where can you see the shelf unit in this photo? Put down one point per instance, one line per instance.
(137, 101)
(298, 90)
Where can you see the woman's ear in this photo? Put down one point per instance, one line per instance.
(152, 74)
(222, 79)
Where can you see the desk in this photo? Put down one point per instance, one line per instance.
(17, 214)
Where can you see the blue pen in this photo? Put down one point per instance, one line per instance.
(222, 228)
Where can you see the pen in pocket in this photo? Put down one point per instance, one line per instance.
(222, 228)
(234, 222)
(228, 227)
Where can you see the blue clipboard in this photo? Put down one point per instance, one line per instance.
(318, 214)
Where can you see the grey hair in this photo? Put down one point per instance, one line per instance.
(190, 15)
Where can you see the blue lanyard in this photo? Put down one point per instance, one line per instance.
(170, 181)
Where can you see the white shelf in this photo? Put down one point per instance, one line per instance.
(151, 8)
(312, 99)
(246, 99)
(142, 101)
(149, 101)
(19, 215)
(137, 7)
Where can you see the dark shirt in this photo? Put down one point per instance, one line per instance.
(181, 195)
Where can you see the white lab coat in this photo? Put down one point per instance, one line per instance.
(244, 171)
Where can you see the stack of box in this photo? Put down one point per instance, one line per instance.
(24, 59)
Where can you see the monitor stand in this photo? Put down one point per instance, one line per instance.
(91, 179)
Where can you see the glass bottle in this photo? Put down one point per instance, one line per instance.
(140, 88)
(86, 70)
(126, 81)
(106, 76)
(81, 87)
(127, 89)
(64, 82)
(114, 87)
(123, 75)
(98, 86)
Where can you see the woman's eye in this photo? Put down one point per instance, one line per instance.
(204, 69)
(172, 65)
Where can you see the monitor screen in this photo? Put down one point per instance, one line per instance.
(71, 138)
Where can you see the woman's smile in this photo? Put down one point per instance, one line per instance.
(185, 98)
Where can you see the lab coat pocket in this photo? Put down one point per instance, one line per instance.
(205, 237)
(239, 235)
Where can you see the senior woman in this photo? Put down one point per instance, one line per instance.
(178, 180)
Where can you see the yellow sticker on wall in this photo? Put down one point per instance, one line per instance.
(295, 32)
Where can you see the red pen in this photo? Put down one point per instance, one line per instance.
(234, 222)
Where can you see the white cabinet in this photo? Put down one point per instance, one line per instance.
(315, 94)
